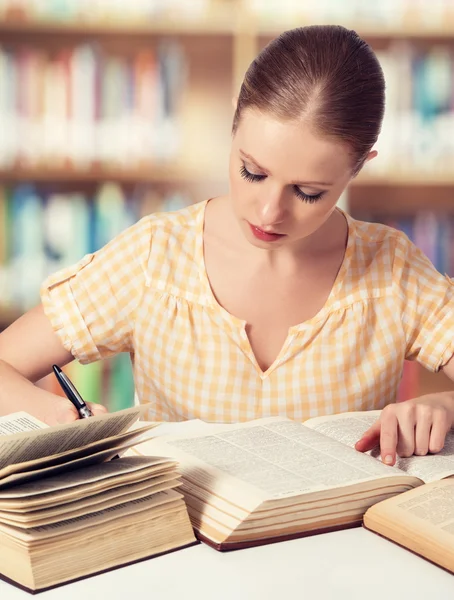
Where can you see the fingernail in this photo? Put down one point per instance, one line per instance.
(388, 459)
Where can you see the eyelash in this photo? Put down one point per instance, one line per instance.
(245, 174)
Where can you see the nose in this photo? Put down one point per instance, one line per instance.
(271, 208)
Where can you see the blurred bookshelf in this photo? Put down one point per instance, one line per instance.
(152, 132)
(164, 174)
(218, 23)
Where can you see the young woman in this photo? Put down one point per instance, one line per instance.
(269, 300)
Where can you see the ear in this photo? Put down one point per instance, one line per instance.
(234, 102)
(372, 154)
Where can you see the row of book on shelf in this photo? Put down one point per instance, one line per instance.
(41, 233)
(354, 13)
(418, 127)
(68, 511)
(385, 13)
(100, 10)
(80, 106)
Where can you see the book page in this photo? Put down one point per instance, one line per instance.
(76, 461)
(79, 482)
(277, 456)
(88, 505)
(31, 445)
(131, 437)
(18, 422)
(348, 428)
(431, 467)
(433, 504)
(134, 508)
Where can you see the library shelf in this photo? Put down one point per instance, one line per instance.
(404, 178)
(158, 174)
(186, 174)
(211, 25)
(406, 30)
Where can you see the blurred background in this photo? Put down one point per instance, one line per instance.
(110, 110)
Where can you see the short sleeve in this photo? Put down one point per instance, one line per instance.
(91, 305)
(426, 299)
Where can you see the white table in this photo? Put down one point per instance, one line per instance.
(351, 564)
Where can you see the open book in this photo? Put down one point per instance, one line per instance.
(68, 511)
(272, 479)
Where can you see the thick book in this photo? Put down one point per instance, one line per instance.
(272, 479)
(73, 503)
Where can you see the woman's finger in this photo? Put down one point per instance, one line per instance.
(406, 416)
(424, 416)
(369, 439)
(388, 436)
(97, 409)
(440, 427)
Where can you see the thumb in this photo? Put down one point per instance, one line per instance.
(369, 439)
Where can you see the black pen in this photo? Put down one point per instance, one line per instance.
(71, 393)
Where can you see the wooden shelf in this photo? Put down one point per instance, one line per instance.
(222, 23)
(158, 174)
(215, 24)
(413, 30)
(404, 179)
(179, 173)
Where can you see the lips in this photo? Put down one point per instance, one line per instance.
(265, 236)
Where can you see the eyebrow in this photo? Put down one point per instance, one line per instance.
(252, 159)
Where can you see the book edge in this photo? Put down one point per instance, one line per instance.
(229, 547)
(68, 581)
(407, 549)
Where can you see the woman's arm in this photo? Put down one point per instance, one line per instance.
(31, 346)
(28, 349)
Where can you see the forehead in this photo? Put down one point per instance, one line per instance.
(291, 149)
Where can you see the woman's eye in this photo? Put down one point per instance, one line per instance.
(248, 176)
(307, 197)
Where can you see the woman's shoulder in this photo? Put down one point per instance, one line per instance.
(383, 257)
(379, 241)
(176, 221)
(374, 233)
(156, 231)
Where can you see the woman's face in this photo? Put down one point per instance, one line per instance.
(285, 180)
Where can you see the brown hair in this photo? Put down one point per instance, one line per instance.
(325, 73)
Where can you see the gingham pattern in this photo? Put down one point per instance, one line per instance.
(147, 293)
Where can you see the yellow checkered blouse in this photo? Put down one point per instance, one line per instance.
(147, 293)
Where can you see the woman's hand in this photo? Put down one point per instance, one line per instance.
(60, 410)
(416, 426)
